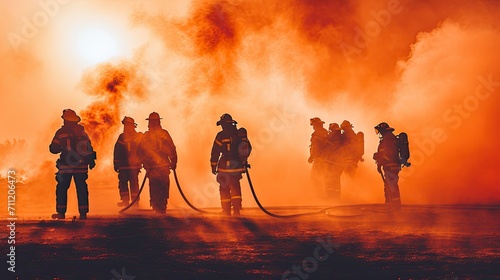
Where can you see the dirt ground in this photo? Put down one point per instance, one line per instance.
(345, 242)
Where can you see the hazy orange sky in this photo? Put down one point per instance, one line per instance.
(429, 68)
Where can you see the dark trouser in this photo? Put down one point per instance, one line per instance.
(318, 171)
(332, 180)
(63, 183)
(125, 177)
(230, 190)
(351, 166)
(391, 187)
(159, 185)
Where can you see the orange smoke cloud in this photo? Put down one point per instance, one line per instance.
(210, 37)
(113, 85)
(364, 62)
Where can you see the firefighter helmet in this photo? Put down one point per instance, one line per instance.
(226, 118)
(154, 116)
(316, 120)
(70, 115)
(129, 120)
(346, 123)
(383, 126)
(334, 127)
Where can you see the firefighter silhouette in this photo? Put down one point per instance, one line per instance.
(77, 155)
(387, 160)
(334, 161)
(126, 162)
(157, 153)
(229, 155)
(317, 156)
(353, 147)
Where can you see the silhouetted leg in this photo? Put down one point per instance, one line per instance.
(123, 177)
(225, 192)
(165, 178)
(329, 184)
(134, 183)
(326, 177)
(393, 182)
(235, 188)
(159, 183)
(63, 182)
(318, 175)
(392, 178)
(336, 172)
(351, 166)
(386, 193)
(155, 189)
(332, 180)
(82, 192)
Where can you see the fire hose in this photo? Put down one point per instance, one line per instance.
(185, 198)
(254, 195)
(137, 196)
(325, 210)
(180, 191)
(272, 214)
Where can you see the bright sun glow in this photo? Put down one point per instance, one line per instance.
(97, 45)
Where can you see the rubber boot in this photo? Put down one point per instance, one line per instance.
(58, 216)
(122, 203)
(396, 203)
(236, 212)
(226, 208)
(164, 210)
(236, 208)
(159, 206)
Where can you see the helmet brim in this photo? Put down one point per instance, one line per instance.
(226, 122)
(71, 118)
(384, 129)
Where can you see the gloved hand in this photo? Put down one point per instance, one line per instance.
(214, 169)
(379, 168)
(310, 160)
(116, 169)
(92, 164)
